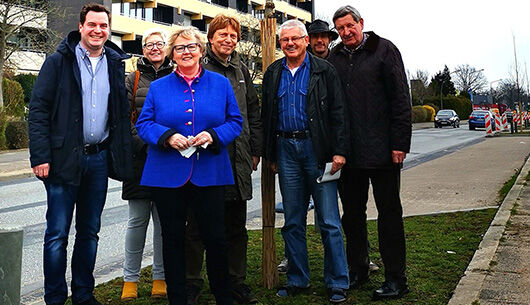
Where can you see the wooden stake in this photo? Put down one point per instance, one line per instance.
(269, 270)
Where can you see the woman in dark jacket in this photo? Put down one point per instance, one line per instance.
(152, 66)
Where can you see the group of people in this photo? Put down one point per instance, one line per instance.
(185, 131)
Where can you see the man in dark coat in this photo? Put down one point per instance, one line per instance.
(378, 105)
(223, 35)
(79, 135)
(304, 128)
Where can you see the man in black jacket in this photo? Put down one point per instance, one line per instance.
(304, 129)
(79, 135)
(320, 36)
(378, 105)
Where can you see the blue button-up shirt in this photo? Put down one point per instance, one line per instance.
(96, 89)
(292, 92)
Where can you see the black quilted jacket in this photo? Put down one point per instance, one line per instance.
(378, 101)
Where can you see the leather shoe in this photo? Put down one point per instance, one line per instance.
(357, 281)
(192, 294)
(390, 290)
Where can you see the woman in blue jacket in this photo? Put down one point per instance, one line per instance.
(188, 119)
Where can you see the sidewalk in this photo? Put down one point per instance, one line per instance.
(499, 272)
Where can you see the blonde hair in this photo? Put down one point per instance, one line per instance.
(188, 32)
(154, 31)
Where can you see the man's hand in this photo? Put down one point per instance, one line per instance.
(178, 141)
(255, 162)
(338, 163)
(201, 138)
(398, 156)
(42, 170)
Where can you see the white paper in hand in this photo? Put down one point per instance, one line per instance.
(327, 176)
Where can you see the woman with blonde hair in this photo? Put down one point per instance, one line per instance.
(153, 65)
(188, 119)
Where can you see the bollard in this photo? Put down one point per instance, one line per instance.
(10, 264)
(487, 125)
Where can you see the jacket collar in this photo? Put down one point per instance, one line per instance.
(371, 44)
(234, 60)
(144, 65)
(112, 51)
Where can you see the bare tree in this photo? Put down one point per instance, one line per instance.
(22, 28)
(249, 48)
(419, 83)
(469, 78)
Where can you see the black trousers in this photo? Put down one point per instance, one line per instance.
(208, 207)
(237, 240)
(353, 190)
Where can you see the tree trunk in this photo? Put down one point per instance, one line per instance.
(268, 262)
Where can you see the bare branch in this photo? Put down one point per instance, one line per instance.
(469, 78)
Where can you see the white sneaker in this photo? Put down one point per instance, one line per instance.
(282, 267)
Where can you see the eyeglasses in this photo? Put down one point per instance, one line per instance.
(348, 26)
(192, 47)
(151, 45)
(294, 39)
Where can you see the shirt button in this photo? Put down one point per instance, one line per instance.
(93, 106)
(93, 120)
(91, 134)
(94, 91)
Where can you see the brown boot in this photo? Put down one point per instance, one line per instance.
(129, 291)
(159, 289)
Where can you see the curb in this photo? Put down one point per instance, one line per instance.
(469, 286)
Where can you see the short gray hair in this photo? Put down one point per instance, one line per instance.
(347, 10)
(188, 32)
(154, 31)
(293, 23)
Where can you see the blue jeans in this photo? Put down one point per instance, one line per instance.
(88, 198)
(298, 171)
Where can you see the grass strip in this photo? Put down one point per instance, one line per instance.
(507, 186)
(439, 248)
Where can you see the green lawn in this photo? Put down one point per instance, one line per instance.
(433, 273)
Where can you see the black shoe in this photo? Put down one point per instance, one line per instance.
(336, 295)
(290, 291)
(390, 290)
(192, 294)
(243, 295)
(357, 281)
(91, 301)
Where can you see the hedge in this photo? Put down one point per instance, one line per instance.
(26, 81)
(17, 134)
(460, 104)
(430, 113)
(13, 98)
(419, 114)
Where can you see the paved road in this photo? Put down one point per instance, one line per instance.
(22, 202)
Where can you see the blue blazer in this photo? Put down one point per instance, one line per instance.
(173, 106)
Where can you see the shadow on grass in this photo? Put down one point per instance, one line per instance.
(439, 249)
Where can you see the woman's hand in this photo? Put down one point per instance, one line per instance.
(201, 138)
(178, 141)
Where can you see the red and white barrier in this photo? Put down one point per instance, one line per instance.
(497, 122)
(487, 124)
(504, 122)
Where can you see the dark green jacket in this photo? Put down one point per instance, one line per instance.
(249, 142)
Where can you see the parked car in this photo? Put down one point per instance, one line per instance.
(476, 119)
(446, 117)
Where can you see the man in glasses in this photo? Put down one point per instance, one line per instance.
(378, 105)
(304, 128)
(224, 33)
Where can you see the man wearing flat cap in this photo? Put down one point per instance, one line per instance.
(320, 36)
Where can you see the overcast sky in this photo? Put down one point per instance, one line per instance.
(431, 34)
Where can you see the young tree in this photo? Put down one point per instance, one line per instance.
(419, 83)
(469, 78)
(249, 48)
(22, 27)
